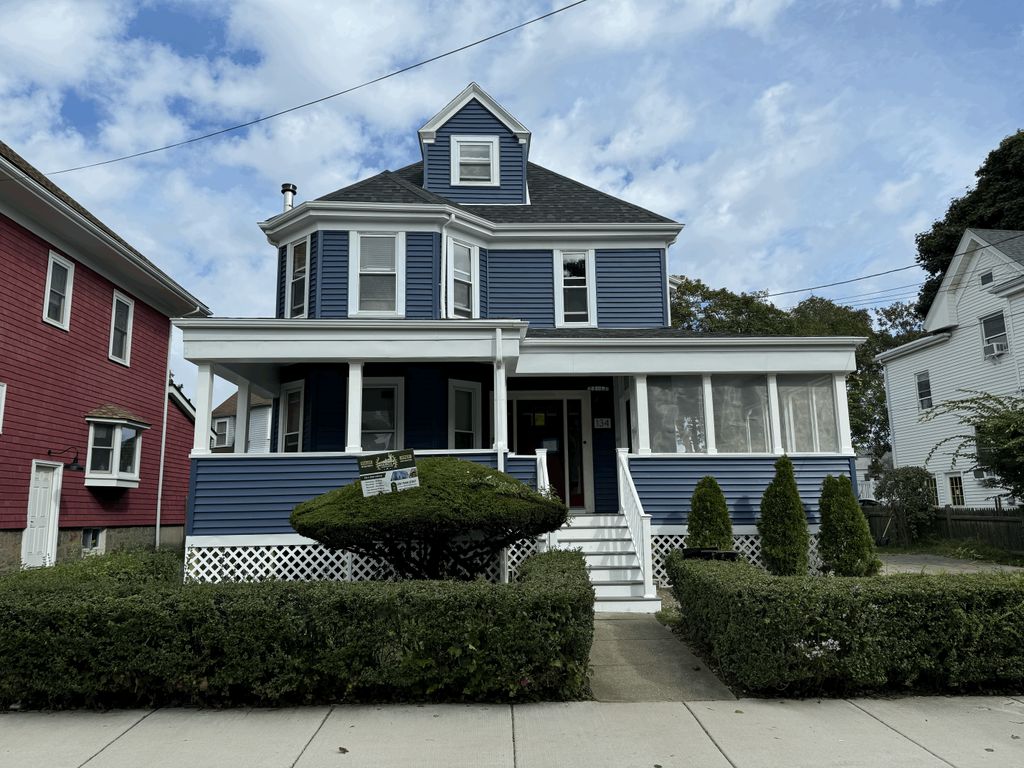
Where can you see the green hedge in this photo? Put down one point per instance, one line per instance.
(805, 635)
(97, 640)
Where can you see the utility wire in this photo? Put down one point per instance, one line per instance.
(264, 118)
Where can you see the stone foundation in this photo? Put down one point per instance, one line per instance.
(69, 542)
(10, 550)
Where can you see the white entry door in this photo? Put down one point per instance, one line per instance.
(39, 542)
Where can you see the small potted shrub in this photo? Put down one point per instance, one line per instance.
(709, 529)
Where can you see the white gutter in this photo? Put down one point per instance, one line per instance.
(699, 341)
(354, 324)
(913, 346)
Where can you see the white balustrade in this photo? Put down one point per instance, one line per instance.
(638, 521)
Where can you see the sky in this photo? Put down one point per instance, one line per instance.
(800, 142)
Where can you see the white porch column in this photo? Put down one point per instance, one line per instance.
(354, 416)
(843, 414)
(709, 415)
(643, 423)
(204, 407)
(774, 415)
(500, 402)
(242, 418)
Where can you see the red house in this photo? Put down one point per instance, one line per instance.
(94, 439)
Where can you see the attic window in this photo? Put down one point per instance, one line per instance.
(986, 278)
(475, 161)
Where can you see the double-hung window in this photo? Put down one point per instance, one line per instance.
(924, 391)
(464, 414)
(956, 489)
(993, 330)
(60, 278)
(575, 288)
(377, 274)
(220, 433)
(298, 282)
(121, 315)
(290, 438)
(383, 414)
(475, 161)
(462, 280)
(115, 447)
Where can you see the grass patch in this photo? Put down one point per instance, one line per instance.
(962, 549)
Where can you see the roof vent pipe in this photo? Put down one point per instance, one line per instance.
(289, 190)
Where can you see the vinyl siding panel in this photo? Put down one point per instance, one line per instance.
(422, 275)
(522, 468)
(483, 283)
(177, 465)
(314, 275)
(475, 120)
(631, 288)
(333, 279)
(282, 267)
(520, 286)
(665, 484)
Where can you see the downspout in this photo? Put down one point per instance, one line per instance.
(443, 288)
(163, 438)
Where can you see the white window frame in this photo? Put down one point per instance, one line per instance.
(474, 261)
(385, 382)
(591, 289)
(101, 542)
(127, 359)
(3, 404)
(65, 322)
(787, 418)
(917, 390)
(216, 436)
(1005, 334)
(456, 153)
(115, 478)
(282, 420)
(476, 392)
(289, 266)
(353, 274)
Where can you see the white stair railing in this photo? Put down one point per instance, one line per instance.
(550, 541)
(639, 522)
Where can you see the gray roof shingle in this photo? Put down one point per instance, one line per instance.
(1009, 241)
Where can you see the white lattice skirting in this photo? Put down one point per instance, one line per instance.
(308, 562)
(748, 545)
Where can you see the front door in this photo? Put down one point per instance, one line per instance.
(559, 424)
(39, 541)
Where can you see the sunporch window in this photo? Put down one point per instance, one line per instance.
(298, 268)
(676, 413)
(575, 295)
(740, 405)
(807, 409)
(382, 415)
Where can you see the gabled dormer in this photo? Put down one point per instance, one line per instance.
(474, 151)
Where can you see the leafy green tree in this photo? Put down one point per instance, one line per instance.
(906, 493)
(783, 524)
(844, 541)
(702, 309)
(995, 202)
(708, 525)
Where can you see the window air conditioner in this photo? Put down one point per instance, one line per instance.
(995, 349)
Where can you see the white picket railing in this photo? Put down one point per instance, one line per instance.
(550, 541)
(639, 522)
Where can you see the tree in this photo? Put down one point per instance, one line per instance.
(995, 202)
(844, 541)
(702, 309)
(708, 525)
(906, 493)
(783, 524)
(452, 526)
(995, 443)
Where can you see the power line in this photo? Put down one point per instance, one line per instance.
(264, 118)
(877, 293)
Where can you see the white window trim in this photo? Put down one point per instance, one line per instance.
(286, 388)
(398, 383)
(65, 323)
(353, 274)
(1006, 329)
(474, 259)
(591, 289)
(127, 359)
(495, 160)
(475, 389)
(3, 404)
(216, 436)
(114, 478)
(289, 264)
(917, 390)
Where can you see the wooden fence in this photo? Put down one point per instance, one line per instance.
(1003, 528)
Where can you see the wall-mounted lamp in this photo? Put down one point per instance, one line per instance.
(74, 466)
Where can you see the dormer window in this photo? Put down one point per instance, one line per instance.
(475, 161)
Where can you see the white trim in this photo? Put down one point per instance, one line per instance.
(114, 478)
(216, 437)
(248, 540)
(455, 159)
(474, 262)
(775, 416)
(65, 322)
(299, 385)
(354, 407)
(708, 401)
(204, 409)
(475, 390)
(53, 521)
(127, 359)
(643, 414)
(842, 403)
(737, 530)
(387, 382)
(354, 272)
(3, 404)
(591, 277)
(428, 133)
(289, 268)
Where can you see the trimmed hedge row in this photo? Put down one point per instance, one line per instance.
(812, 636)
(102, 641)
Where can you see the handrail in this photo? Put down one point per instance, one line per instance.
(544, 486)
(639, 522)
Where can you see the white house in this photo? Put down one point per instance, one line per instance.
(225, 416)
(975, 331)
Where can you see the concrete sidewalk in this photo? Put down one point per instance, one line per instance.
(987, 732)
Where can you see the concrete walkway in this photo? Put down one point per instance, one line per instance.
(982, 732)
(634, 658)
(938, 564)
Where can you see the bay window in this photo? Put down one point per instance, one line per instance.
(115, 448)
(377, 274)
(298, 282)
(676, 414)
(807, 409)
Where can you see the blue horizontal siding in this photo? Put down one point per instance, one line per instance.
(631, 288)
(521, 286)
(333, 277)
(422, 275)
(313, 270)
(522, 468)
(282, 259)
(665, 484)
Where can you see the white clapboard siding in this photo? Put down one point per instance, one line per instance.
(259, 429)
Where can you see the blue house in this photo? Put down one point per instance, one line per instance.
(476, 304)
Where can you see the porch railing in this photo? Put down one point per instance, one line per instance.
(550, 541)
(639, 522)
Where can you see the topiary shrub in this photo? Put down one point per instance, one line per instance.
(783, 524)
(452, 526)
(708, 525)
(844, 541)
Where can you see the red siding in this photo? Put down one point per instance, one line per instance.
(176, 466)
(55, 377)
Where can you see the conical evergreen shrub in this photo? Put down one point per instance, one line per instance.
(708, 525)
(783, 524)
(844, 541)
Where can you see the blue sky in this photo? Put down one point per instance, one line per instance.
(799, 142)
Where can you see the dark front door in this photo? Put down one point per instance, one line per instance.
(557, 426)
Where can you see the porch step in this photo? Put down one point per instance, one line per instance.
(577, 532)
(612, 559)
(625, 588)
(584, 521)
(603, 574)
(596, 546)
(627, 604)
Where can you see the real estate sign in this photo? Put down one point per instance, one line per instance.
(388, 472)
